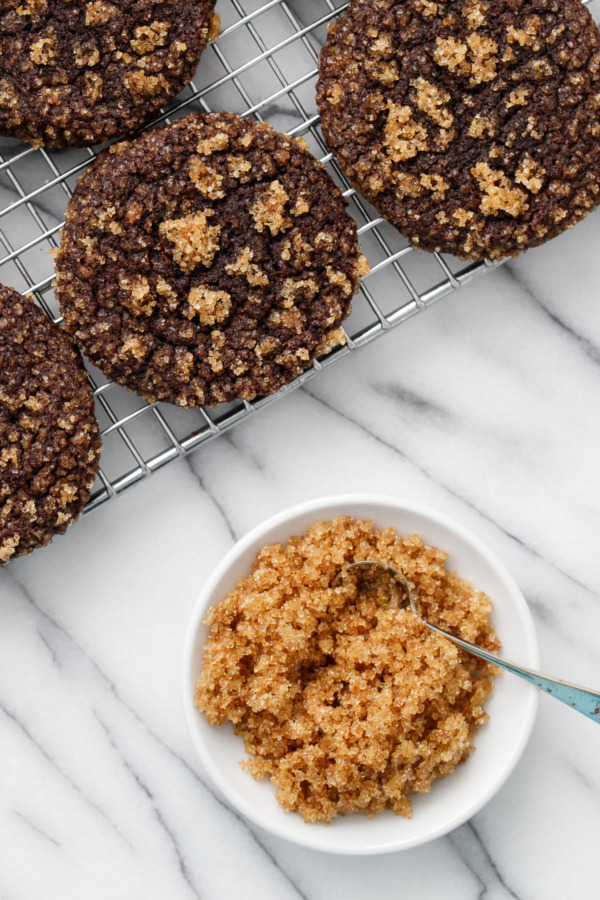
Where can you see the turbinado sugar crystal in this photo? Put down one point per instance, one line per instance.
(347, 702)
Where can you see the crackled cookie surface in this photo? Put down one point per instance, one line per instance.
(208, 260)
(472, 125)
(49, 441)
(76, 72)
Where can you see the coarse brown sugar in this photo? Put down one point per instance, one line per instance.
(347, 702)
(207, 261)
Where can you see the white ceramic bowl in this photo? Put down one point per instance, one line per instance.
(499, 744)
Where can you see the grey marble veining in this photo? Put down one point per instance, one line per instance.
(483, 408)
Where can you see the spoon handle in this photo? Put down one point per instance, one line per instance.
(579, 698)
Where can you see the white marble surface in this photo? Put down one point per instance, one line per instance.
(485, 407)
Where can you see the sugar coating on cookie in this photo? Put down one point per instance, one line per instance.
(49, 439)
(77, 72)
(206, 261)
(472, 125)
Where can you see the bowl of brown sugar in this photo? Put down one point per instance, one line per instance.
(324, 709)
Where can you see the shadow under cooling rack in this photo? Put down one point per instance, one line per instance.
(263, 65)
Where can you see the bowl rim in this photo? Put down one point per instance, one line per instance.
(254, 536)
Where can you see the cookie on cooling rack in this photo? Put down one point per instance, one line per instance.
(206, 261)
(471, 125)
(78, 72)
(49, 441)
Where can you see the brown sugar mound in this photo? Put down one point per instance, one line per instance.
(471, 125)
(347, 703)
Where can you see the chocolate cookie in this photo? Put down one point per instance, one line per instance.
(208, 260)
(472, 125)
(76, 72)
(49, 441)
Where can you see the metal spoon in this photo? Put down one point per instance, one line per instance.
(581, 699)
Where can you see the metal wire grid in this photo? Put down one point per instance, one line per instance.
(263, 65)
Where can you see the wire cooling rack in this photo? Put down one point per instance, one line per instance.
(263, 65)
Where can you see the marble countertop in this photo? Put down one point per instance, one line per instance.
(485, 406)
